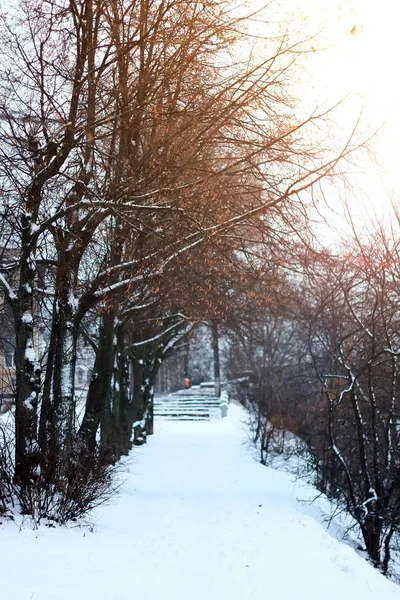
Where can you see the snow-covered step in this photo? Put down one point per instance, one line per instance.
(178, 400)
(187, 408)
(183, 412)
(194, 402)
(188, 405)
(173, 402)
(180, 409)
(180, 418)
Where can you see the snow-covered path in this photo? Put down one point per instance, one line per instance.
(198, 519)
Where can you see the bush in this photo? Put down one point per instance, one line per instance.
(63, 490)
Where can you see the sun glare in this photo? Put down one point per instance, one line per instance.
(361, 50)
(360, 62)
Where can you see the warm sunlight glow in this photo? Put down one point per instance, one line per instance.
(361, 61)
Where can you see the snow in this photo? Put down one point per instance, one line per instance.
(30, 352)
(27, 317)
(197, 518)
(6, 286)
(28, 401)
(73, 302)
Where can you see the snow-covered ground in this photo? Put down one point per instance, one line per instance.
(197, 519)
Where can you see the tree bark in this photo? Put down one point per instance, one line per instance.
(98, 401)
(372, 532)
(27, 367)
(215, 347)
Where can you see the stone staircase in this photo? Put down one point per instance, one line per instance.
(196, 404)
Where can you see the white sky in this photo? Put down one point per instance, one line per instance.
(360, 62)
(361, 59)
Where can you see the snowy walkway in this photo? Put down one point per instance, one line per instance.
(198, 519)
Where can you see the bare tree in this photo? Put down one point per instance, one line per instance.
(128, 141)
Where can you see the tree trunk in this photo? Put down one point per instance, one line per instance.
(145, 368)
(186, 356)
(372, 532)
(57, 419)
(98, 401)
(137, 408)
(215, 347)
(115, 434)
(27, 368)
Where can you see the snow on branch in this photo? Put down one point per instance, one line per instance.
(392, 352)
(158, 336)
(11, 296)
(131, 309)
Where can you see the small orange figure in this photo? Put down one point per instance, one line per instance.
(187, 383)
